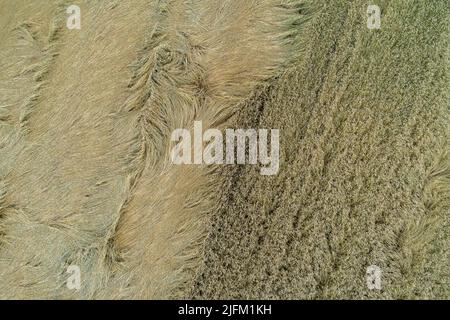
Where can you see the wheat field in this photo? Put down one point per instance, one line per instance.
(86, 177)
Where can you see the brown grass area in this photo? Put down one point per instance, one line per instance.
(85, 174)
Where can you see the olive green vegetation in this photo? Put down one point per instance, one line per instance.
(365, 173)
